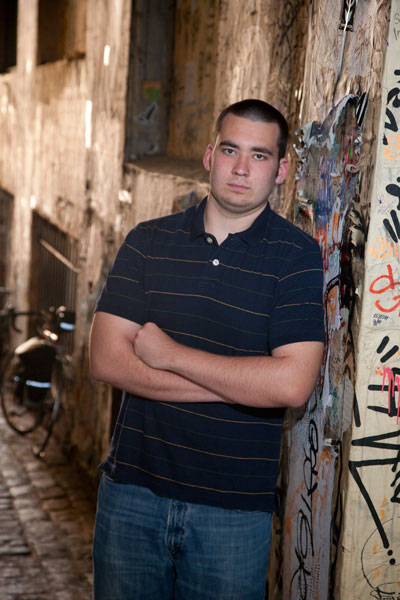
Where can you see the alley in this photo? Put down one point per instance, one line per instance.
(46, 520)
(107, 113)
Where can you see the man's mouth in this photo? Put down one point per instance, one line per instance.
(238, 187)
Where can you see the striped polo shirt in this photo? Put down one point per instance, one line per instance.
(259, 289)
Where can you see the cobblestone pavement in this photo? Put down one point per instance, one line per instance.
(47, 513)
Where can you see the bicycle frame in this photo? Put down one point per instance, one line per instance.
(30, 392)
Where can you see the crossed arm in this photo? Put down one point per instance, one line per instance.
(144, 360)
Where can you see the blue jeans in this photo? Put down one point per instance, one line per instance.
(148, 547)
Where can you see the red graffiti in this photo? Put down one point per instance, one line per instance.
(390, 285)
(393, 381)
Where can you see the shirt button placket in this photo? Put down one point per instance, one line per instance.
(209, 282)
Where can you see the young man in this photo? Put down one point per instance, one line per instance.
(211, 321)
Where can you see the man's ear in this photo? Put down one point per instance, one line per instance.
(283, 170)
(207, 157)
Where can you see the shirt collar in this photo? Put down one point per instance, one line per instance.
(253, 234)
(197, 220)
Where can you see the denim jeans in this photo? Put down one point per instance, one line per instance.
(148, 547)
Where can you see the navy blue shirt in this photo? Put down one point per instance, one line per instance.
(258, 290)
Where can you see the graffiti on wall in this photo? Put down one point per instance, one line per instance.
(328, 180)
(375, 454)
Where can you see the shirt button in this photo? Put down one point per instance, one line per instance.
(215, 262)
(209, 240)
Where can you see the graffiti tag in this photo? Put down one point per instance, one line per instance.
(388, 284)
(304, 549)
(382, 542)
(384, 249)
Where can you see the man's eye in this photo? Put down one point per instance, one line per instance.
(229, 151)
(259, 156)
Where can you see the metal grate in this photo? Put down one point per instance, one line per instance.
(6, 208)
(54, 267)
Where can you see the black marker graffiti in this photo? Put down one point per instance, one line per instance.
(390, 409)
(385, 441)
(378, 441)
(379, 551)
(392, 125)
(393, 228)
(394, 190)
(392, 97)
(304, 549)
(382, 347)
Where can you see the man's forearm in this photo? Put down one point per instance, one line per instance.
(254, 381)
(285, 379)
(113, 360)
(139, 379)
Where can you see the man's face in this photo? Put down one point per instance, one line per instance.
(244, 165)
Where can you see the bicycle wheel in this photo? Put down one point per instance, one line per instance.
(51, 410)
(22, 410)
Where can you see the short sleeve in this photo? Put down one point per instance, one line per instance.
(298, 314)
(123, 292)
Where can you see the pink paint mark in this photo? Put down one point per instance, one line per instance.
(393, 381)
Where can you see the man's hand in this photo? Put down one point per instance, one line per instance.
(154, 347)
(113, 360)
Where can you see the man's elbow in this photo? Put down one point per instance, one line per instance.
(300, 388)
(298, 401)
(295, 396)
(300, 394)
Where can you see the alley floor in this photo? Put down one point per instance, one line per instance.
(47, 513)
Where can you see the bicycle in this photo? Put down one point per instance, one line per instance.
(32, 375)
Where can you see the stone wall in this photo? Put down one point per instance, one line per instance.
(63, 126)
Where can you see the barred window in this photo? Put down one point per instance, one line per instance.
(54, 271)
(6, 208)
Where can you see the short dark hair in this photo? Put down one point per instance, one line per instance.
(258, 110)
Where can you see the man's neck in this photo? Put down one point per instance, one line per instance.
(221, 223)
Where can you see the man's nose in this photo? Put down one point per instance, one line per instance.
(241, 165)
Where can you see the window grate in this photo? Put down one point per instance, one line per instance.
(6, 208)
(54, 268)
